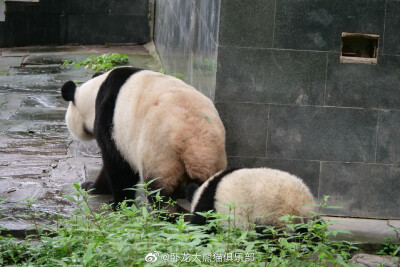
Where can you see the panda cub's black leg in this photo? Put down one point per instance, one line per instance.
(100, 186)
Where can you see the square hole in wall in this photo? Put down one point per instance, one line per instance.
(359, 48)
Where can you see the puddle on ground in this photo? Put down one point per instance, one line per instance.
(34, 147)
(34, 70)
(29, 84)
(49, 59)
(45, 101)
(24, 168)
(38, 114)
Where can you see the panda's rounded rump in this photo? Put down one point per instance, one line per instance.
(159, 123)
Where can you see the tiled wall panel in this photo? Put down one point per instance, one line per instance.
(370, 190)
(286, 100)
(336, 125)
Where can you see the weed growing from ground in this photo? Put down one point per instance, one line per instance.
(390, 248)
(137, 235)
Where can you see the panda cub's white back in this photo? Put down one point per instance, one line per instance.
(260, 196)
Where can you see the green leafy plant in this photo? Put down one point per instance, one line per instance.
(138, 234)
(104, 62)
(390, 248)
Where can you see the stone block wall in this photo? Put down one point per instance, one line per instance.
(74, 21)
(288, 102)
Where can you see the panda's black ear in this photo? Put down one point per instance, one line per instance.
(68, 91)
(97, 74)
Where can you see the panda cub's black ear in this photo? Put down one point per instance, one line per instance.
(68, 91)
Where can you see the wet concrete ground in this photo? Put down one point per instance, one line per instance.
(39, 161)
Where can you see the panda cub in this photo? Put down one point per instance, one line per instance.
(261, 196)
(147, 125)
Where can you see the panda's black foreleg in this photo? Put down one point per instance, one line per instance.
(100, 186)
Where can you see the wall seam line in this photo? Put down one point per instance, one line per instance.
(384, 27)
(273, 29)
(266, 142)
(376, 137)
(326, 77)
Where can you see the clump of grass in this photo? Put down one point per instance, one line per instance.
(138, 234)
(101, 63)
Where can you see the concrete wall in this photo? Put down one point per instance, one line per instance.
(186, 40)
(2, 24)
(76, 21)
(2, 9)
(288, 102)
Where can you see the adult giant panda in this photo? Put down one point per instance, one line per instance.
(261, 196)
(147, 125)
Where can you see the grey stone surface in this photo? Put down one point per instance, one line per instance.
(318, 133)
(361, 85)
(391, 44)
(39, 161)
(246, 128)
(19, 30)
(70, 21)
(307, 170)
(2, 33)
(318, 25)
(286, 54)
(104, 7)
(374, 260)
(113, 29)
(364, 230)
(247, 23)
(369, 190)
(39, 59)
(271, 76)
(2, 9)
(388, 145)
(7, 62)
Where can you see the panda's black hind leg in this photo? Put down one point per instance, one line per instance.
(121, 178)
(100, 186)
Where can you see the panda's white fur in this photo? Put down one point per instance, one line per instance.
(161, 127)
(81, 111)
(261, 196)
